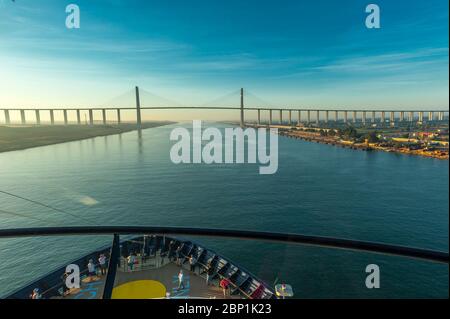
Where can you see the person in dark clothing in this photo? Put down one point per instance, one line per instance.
(64, 284)
(192, 262)
(209, 272)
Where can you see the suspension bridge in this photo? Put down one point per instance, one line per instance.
(261, 114)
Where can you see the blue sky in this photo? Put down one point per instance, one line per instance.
(289, 53)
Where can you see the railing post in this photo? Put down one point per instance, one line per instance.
(114, 260)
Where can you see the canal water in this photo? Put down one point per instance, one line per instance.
(319, 190)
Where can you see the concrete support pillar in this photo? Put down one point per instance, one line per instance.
(138, 108)
(52, 117)
(317, 117)
(290, 118)
(411, 116)
(7, 117)
(78, 117)
(65, 117)
(22, 117)
(299, 120)
(309, 117)
(420, 116)
(38, 117)
(104, 116)
(336, 116)
(327, 116)
(441, 116)
(259, 117)
(354, 116)
(402, 116)
(345, 116)
(281, 117)
(91, 117)
(364, 116)
(392, 119)
(270, 117)
(430, 116)
(383, 117)
(373, 117)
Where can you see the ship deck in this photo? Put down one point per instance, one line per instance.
(153, 278)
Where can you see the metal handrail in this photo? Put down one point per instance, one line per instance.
(339, 243)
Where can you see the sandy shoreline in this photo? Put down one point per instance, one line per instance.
(14, 138)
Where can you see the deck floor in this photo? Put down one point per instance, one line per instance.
(153, 269)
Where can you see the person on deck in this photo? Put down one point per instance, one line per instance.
(178, 256)
(180, 280)
(209, 272)
(91, 269)
(192, 262)
(224, 284)
(102, 263)
(36, 294)
(131, 260)
(65, 289)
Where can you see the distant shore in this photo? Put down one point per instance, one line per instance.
(313, 135)
(362, 146)
(14, 138)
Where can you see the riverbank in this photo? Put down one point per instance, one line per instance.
(13, 138)
(316, 137)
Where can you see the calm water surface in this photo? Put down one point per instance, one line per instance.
(318, 189)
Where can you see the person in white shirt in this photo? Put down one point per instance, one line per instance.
(102, 263)
(131, 260)
(180, 280)
(91, 268)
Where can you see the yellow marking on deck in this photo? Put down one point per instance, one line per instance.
(140, 289)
